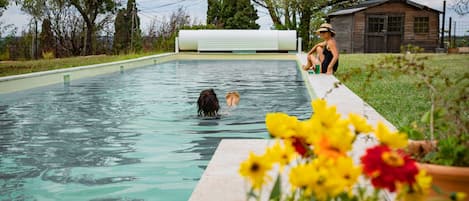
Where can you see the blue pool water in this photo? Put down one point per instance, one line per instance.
(135, 135)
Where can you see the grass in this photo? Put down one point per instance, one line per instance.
(398, 99)
(21, 67)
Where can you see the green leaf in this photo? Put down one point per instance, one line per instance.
(437, 189)
(426, 117)
(276, 190)
(252, 194)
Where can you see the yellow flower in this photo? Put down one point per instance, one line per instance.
(325, 117)
(392, 139)
(255, 169)
(318, 178)
(336, 142)
(280, 154)
(348, 171)
(419, 190)
(280, 125)
(459, 196)
(301, 176)
(359, 123)
(305, 131)
(325, 184)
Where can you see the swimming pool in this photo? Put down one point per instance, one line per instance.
(135, 135)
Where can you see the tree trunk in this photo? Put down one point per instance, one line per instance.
(273, 14)
(90, 26)
(36, 45)
(305, 20)
(287, 14)
(90, 50)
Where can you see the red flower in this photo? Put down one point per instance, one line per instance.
(301, 147)
(386, 167)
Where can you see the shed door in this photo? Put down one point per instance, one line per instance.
(375, 36)
(383, 33)
(395, 28)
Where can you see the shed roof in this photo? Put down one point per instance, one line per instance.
(372, 3)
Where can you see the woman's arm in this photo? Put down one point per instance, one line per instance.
(321, 44)
(335, 56)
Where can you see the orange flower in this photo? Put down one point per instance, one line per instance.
(324, 148)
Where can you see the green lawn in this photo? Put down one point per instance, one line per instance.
(398, 99)
(22, 67)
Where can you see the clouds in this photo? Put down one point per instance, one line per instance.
(14, 15)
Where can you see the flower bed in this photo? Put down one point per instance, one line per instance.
(314, 155)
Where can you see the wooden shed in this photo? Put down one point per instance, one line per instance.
(384, 25)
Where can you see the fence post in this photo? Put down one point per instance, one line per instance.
(300, 49)
(443, 26)
(450, 41)
(176, 45)
(454, 34)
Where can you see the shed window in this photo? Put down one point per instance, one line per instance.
(394, 23)
(421, 25)
(375, 24)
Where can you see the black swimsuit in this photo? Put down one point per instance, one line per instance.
(327, 60)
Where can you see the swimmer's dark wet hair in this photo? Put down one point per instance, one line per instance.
(208, 103)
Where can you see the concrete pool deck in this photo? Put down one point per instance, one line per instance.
(221, 180)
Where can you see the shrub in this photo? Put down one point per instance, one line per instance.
(48, 55)
(4, 56)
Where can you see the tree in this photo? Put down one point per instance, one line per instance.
(461, 7)
(165, 34)
(3, 6)
(89, 11)
(303, 10)
(239, 14)
(35, 8)
(127, 35)
(47, 37)
(7, 35)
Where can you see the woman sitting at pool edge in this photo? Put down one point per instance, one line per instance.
(326, 51)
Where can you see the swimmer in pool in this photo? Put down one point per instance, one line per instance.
(232, 98)
(208, 103)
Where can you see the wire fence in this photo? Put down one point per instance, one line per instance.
(458, 36)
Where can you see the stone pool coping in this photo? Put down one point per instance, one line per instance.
(221, 181)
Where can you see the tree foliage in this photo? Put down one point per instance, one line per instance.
(47, 37)
(3, 6)
(35, 8)
(461, 7)
(3, 3)
(89, 11)
(127, 35)
(239, 14)
(300, 15)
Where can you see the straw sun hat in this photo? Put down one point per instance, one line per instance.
(326, 27)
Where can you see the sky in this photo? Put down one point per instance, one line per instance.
(197, 9)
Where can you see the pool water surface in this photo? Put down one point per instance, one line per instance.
(135, 135)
